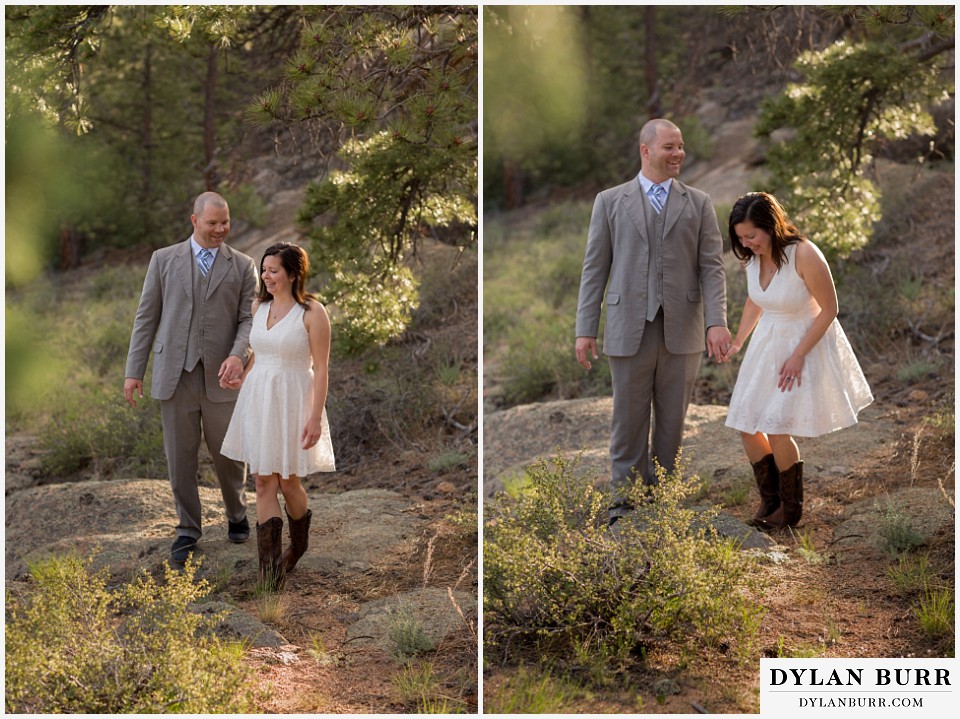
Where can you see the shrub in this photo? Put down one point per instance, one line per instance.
(73, 645)
(541, 362)
(408, 635)
(553, 573)
(896, 531)
(912, 573)
(531, 692)
(944, 417)
(420, 687)
(95, 427)
(935, 612)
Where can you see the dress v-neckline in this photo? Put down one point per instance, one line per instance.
(760, 276)
(266, 322)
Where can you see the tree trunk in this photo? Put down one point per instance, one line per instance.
(653, 104)
(146, 129)
(512, 185)
(211, 166)
(69, 247)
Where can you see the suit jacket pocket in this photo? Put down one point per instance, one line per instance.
(693, 296)
(157, 347)
(613, 298)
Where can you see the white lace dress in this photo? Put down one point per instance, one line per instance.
(275, 402)
(833, 389)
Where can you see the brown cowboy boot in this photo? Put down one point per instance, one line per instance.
(791, 496)
(299, 532)
(269, 539)
(768, 484)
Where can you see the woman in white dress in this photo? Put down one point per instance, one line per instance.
(279, 427)
(799, 376)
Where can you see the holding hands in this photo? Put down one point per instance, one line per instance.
(231, 373)
(731, 350)
(718, 342)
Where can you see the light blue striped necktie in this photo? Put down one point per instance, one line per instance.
(657, 196)
(204, 259)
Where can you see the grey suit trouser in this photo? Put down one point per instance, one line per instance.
(651, 390)
(183, 415)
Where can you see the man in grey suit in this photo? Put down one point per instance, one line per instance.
(194, 314)
(655, 247)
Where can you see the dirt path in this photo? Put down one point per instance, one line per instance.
(838, 602)
(374, 554)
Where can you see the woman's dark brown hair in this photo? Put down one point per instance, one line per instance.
(295, 261)
(765, 213)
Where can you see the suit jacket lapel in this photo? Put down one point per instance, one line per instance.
(675, 205)
(633, 200)
(220, 268)
(185, 269)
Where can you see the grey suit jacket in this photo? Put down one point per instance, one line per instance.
(616, 260)
(163, 318)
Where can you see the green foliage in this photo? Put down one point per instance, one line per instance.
(935, 612)
(808, 549)
(896, 531)
(221, 24)
(94, 428)
(399, 398)
(853, 96)
(448, 460)
(530, 691)
(916, 370)
(321, 654)
(74, 645)
(738, 493)
(944, 417)
(529, 323)
(77, 335)
(47, 179)
(801, 651)
(393, 192)
(408, 635)
(420, 687)
(402, 84)
(912, 573)
(566, 89)
(123, 89)
(554, 575)
(246, 204)
(537, 365)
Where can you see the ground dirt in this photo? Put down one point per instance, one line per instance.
(374, 552)
(840, 601)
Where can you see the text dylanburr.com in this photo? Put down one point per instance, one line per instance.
(858, 687)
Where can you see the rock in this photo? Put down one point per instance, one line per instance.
(238, 625)
(924, 507)
(749, 537)
(354, 530)
(129, 525)
(431, 606)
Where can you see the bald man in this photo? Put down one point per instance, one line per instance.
(654, 259)
(194, 314)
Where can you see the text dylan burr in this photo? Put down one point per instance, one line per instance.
(913, 677)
